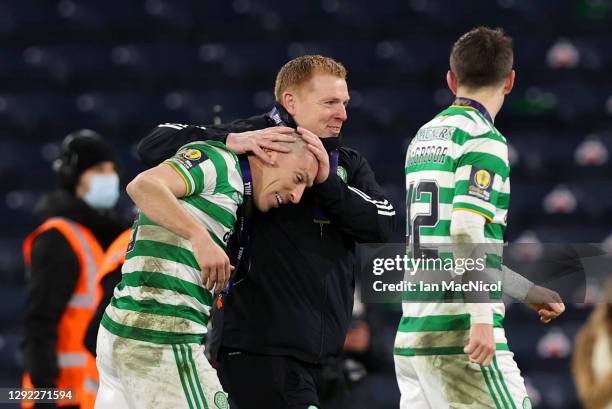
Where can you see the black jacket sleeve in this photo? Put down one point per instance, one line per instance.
(360, 206)
(53, 276)
(163, 141)
(109, 282)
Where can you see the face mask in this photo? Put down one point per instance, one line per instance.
(103, 191)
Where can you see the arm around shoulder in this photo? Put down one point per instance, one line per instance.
(165, 139)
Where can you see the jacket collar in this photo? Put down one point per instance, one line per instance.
(278, 116)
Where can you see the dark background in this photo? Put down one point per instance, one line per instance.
(122, 67)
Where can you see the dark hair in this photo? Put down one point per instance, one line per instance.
(79, 151)
(482, 57)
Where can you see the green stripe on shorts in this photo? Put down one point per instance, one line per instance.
(501, 378)
(188, 372)
(486, 378)
(497, 388)
(196, 376)
(180, 367)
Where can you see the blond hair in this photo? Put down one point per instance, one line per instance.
(299, 70)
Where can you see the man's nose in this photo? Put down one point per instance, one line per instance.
(296, 194)
(341, 114)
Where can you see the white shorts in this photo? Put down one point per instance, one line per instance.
(452, 381)
(143, 375)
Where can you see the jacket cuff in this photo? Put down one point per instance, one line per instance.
(219, 135)
(329, 188)
(199, 133)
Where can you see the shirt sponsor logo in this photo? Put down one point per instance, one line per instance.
(482, 179)
(481, 183)
(192, 154)
(192, 157)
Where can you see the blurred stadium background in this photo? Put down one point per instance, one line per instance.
(121, 67)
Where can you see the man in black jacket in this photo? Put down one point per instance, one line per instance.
(289, 314)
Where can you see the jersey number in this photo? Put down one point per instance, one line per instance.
(429, 219)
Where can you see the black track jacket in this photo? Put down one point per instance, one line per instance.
(297, 297)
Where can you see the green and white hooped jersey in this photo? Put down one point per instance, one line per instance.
(458, 160)
(161, 297)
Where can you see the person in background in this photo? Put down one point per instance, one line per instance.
(62, 257)
(592, 358)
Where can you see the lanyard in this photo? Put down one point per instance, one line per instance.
(243, 232)
(466, 102)
(244, 218)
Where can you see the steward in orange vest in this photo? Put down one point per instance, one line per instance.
(109, 275)
(62, 258)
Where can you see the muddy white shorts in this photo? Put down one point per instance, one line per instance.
(142, 375)
(452, 381)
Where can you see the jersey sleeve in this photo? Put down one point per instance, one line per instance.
(481, 173)
(192, 164)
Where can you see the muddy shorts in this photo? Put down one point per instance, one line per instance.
(142, 375)
(452, 381)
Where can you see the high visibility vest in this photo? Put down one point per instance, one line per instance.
(71, 353)
(114, 257)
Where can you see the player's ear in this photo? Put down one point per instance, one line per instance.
(451, 81)
(509, 82)
(272, 154)
(288, 101)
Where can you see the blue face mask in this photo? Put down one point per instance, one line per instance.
(103, 191)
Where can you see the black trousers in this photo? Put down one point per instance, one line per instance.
(273, 382)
